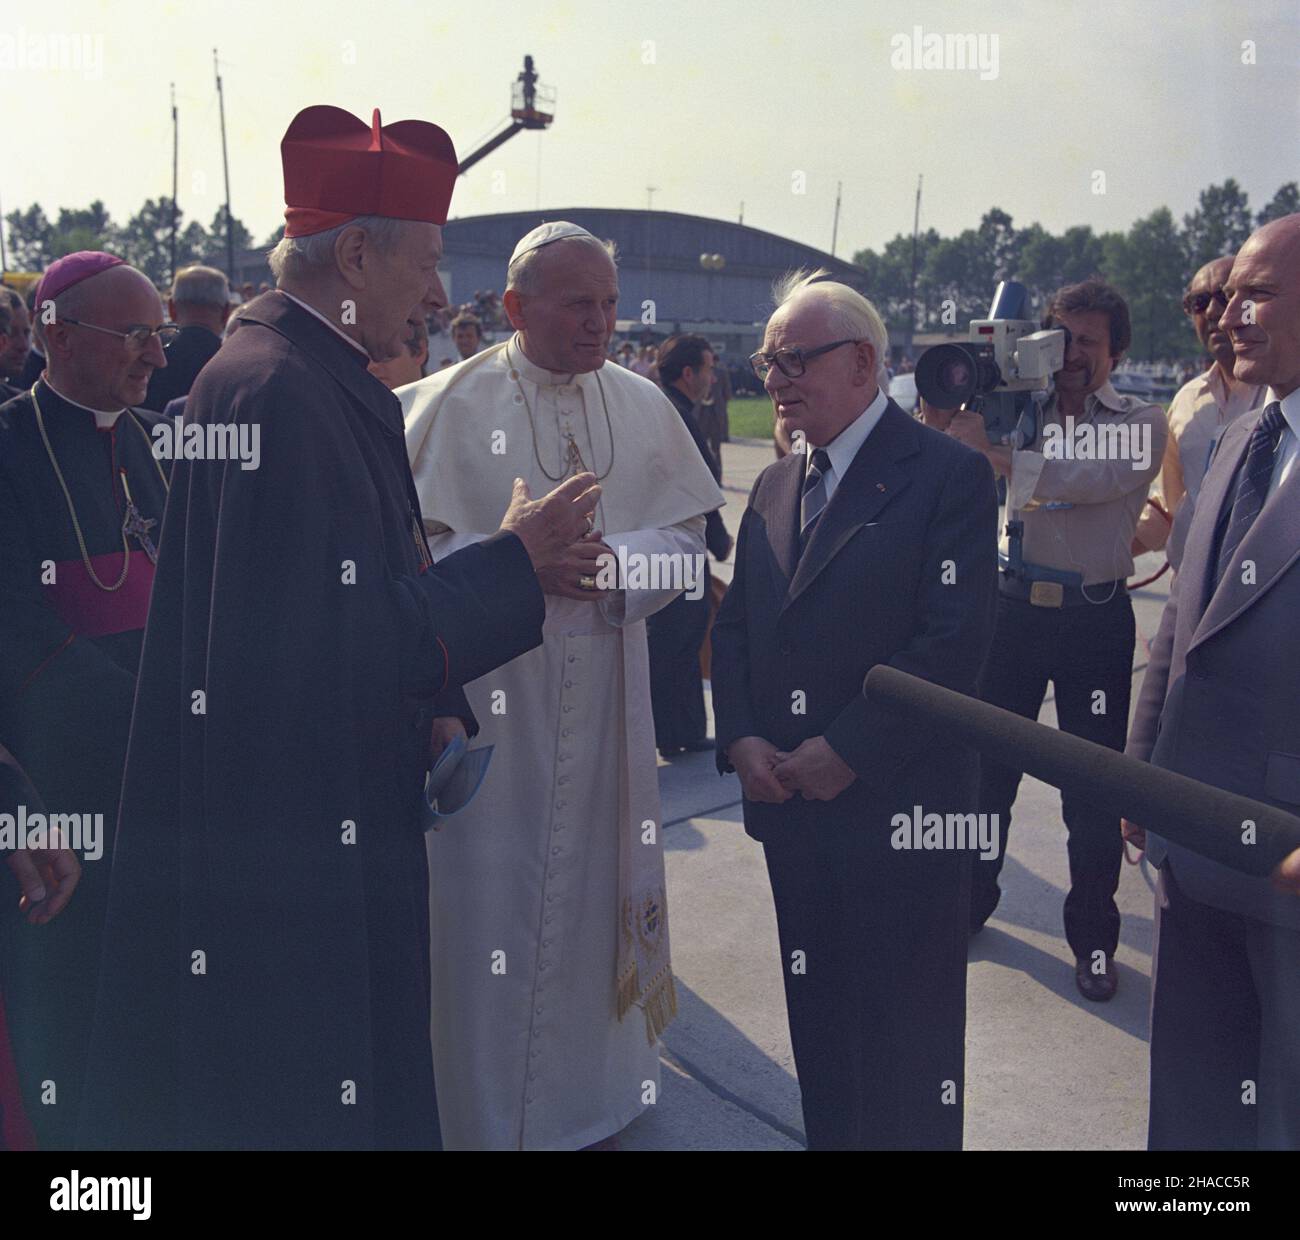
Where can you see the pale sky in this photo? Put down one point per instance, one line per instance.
(710, 101)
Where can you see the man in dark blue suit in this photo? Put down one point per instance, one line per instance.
(200, 305)
(1219, 703)
(676, 632)
(875, 545)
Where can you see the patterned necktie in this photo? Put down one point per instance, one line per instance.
(814, 495)
(1252, 486)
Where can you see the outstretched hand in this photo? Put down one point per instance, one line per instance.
(582, 559)
(549, 526)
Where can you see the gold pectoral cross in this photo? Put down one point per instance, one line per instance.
(573, 462)
(574, 465)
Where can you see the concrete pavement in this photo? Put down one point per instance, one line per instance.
(1045, 1069)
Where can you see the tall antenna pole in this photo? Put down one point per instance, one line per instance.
(176, 140)
(225, 165)
(742, 213)
(835, 228)
(911, 287)
(650, 197)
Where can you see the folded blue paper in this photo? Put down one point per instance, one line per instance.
(454, 781)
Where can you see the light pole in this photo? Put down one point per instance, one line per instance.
(711, 263)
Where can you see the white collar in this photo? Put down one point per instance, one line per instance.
(1223, 389)
(1108, 398)
(844, 447)
(334, 327)
(104, 418)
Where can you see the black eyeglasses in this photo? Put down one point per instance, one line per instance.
(791, 362)
(1198, 303)
(135, 338)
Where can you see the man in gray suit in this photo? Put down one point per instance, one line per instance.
(1219, 703)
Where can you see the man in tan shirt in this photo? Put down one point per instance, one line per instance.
(1203, 406)
(1064, 614)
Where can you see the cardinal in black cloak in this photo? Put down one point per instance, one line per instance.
(265, 980)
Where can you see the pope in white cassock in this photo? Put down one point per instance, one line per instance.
(551, 973)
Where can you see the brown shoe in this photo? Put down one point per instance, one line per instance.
(1099, 987)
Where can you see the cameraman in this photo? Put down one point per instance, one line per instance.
(1080, 508)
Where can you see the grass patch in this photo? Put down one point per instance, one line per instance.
(750, 417)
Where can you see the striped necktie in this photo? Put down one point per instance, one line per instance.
(814, 495)
(1252, 486)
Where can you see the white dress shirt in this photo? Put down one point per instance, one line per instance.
(844, 447)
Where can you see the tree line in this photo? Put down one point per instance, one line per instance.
(35, 241)
(1150, 264)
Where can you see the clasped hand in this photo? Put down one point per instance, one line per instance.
(770, 775)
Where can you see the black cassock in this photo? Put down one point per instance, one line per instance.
(69, 651)
(265, 975)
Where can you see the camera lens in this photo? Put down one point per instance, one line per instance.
(955, 375)
(948, 375)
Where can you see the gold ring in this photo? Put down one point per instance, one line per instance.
(586, 582)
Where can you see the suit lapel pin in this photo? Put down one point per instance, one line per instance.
(880, 486)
